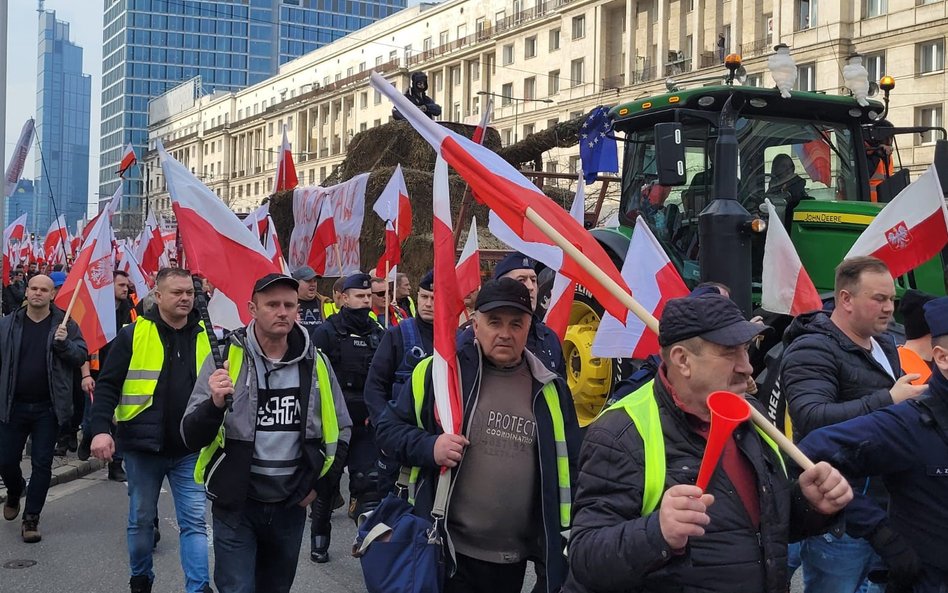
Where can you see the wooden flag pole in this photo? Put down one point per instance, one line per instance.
(72, 302)
(385, 308)
(652, 323)
(339, 259)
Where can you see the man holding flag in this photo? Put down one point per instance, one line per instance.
(518, 435)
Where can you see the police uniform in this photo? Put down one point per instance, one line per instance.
(906, 444)
(349, 339)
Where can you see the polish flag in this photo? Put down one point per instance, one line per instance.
(261, 225)
(511, 196)
(14, 232)
(256, 221)
(448, 306)
(37, 255)
(481, 131)
(655, 281)
(561, 295)
(910, 230)
(393, 207)
(14, 168)
(56, 238)
(128, 159)
(469, 264)
(131, 266)
(151, 246)
(91, 277)
(217, 245)
(785, 287)
(815, 156)
(323, 238)
(286, 171)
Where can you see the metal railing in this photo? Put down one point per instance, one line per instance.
(756, 47)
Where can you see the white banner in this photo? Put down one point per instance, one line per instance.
(348, 205)
(18, 159)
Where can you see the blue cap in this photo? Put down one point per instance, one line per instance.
(936, 314)
(58, 278)
(427, 281)
(514, 261)
(358, 281)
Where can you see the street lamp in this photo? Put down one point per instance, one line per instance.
(517, 101)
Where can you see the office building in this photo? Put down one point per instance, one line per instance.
(21, 202)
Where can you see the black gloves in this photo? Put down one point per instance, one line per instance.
(902, 561)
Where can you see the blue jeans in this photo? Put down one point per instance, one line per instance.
(146, 472)
(837, 565)
(257, 549)
(39, 422)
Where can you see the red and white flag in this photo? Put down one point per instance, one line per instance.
(655, 281)
(910, 230)
(286, 171)
(561, 295)
(785, 286)
(469, 264)
(55, 243)
(481, 131)
(91, 276)
(394, 208)
(510, 196)
(151, 246)
(128, 160)
(18, 158)
(324, 237)
(217, 244)
(129, 264)
(261, 225)
(447, 307)
(14, 233)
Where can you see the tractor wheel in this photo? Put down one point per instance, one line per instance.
(590, 378)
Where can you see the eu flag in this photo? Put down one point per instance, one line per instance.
(597, 146)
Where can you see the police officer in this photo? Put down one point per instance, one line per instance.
(906, 444)
(403, 346)
(349, 339)
(541, 341)
(314, 307)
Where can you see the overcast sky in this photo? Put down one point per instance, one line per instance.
(85, 29)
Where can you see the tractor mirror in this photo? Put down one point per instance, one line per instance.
(941, 163)
(670, 153)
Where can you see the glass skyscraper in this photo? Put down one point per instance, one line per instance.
(21, 202)
(63, 98)
(150, 46)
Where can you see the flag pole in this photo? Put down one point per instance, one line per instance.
(339, 258)
(72, 301)
(385, 310)
(651, 322)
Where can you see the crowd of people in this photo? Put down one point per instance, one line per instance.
(260, 424)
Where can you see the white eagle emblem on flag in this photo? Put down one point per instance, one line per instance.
(100, 272)
(898, 236)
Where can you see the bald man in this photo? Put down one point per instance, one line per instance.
(40, 351)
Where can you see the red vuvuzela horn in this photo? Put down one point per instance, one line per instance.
(727, 411)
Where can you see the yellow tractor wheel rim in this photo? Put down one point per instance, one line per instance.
(589, 377)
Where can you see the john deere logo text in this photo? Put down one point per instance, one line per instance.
(898, 236)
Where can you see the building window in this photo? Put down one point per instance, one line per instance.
(755, 80)
(573, 165)
(552, 122)
(456, 76)
(377, 98)
(930, 115)
(426, 44)
(806, 14)
(506, 136)
(579, 26)
(508, 55)
(551, 166)
(806, 77)
(506, 92)
(443, 38)
(530, 89)
(554, 39)
(577, 71)
(530, 47)
(874, 8)
(875, 64)
(364, 100)
(475, 70)
(528, 129)
(931, 56)
(553, 82)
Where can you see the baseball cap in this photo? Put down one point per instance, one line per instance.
(514, 261)
(305, 273)
(712, 317)
(504, 292)
(273, 280)
(58, 278)
(358, 281)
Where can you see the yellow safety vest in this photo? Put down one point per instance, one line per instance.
(643, 409)
(329, 308)
(327, 408)
(552, 400)
(148, 356)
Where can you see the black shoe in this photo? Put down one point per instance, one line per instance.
(84, 451)
(72, 442)
(11, 508)
(60, 450)
(339, 502)
(139, 584)
(320, 549)
(116, 473)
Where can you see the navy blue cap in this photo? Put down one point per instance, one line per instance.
(712, 317)
(357, 281)
(936, 314)
(514, 261)
(274, 280)
(427, 281)
(504, 292)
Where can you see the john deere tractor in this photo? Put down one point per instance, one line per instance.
(697, 166)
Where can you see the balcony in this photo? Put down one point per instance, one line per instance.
(678, 66)
(616, 81)
(755, 48)
(644, 74)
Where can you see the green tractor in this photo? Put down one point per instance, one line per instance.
(811, 154)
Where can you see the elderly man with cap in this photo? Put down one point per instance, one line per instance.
(541, 340)
(262, 461)
(906, 444)
(349, 339)
(314, 308)
(403, 347)
(639, 521)
(916, 354)
(519, 437)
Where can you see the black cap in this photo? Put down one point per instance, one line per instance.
(357, 281)
(427, 281)
(514, 261)
(273, 280)
(936, 313)
(305, 273)
(712, 317)
(504, 292)
(912, 308)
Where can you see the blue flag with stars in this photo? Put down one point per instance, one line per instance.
(597, 146)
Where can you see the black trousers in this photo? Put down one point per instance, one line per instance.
(478, 576)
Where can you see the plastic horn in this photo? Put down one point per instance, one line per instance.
(727, 411)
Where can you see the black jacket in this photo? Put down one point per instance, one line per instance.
(62, 359)
(827, 378)
(541, 341)
(156, 429)
(614, 548)
(390, 363)
(13, 296)
(400, 437)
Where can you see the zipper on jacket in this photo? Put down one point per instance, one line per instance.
(210, 475)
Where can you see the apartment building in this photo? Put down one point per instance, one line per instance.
(542, 62)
